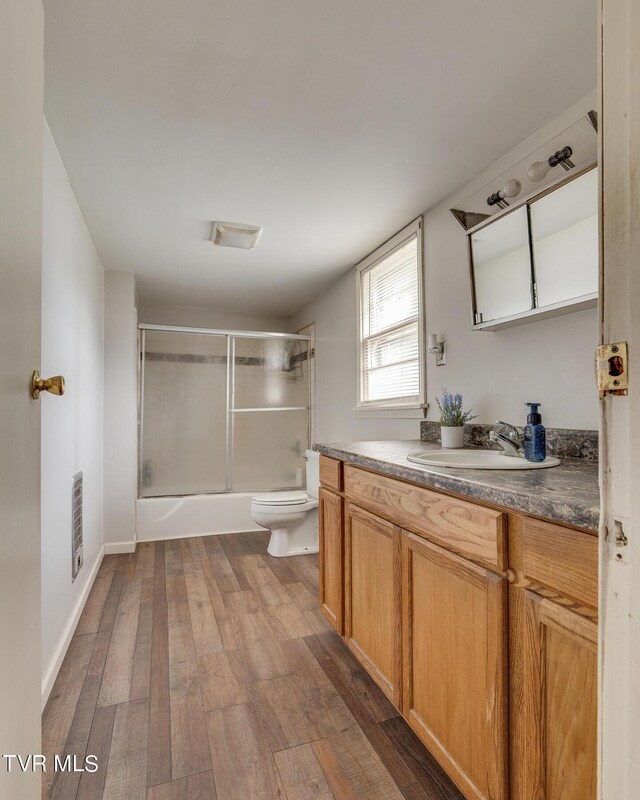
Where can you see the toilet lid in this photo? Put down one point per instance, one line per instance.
(281, 498)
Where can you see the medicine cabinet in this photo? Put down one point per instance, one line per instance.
(539, 259)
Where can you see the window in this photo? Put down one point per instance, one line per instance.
(391, 328)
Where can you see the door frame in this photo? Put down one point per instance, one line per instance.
(619, 642)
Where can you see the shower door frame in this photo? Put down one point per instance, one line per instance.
(230, 410)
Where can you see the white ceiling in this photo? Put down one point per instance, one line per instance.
(332, 123)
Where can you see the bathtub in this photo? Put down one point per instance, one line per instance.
(194, 515)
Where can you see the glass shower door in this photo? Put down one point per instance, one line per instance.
(269, 409)
(183, 413)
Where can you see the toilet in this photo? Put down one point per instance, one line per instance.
(292, 517)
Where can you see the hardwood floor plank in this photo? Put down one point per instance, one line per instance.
(287, 717)
(368, 776)
(336, 779)
(187, 557)
(118, 671)
(302, 775)
(243, 765)
(63, 700)
(282, 568)
(268, 589)
(194, 787)
(362, 695)
(225, 625)
(113, 599)
(173, 557)
(159, 757)
(141, 678)
(223, 680)
(91, 616)
(308, 572)
(145, 560)
(126, 775)
(249, 620)
(127, 563)
(206, 635)
(198, 551)
(429, 774)
(181, 644)
(304, 665)
(189, 743)
(289, 621)
(99, 745)
(220, 566)
(265, 658)
(66, 783)
(301, 595)
(177, 588)
(226, 543)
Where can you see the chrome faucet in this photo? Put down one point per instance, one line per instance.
(512, 442)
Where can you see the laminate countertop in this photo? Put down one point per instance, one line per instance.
(567, 493)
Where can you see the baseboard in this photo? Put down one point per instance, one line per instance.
(113, 548)
(60, 652)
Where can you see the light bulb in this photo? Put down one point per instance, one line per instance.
(511, 188)
(538, 170)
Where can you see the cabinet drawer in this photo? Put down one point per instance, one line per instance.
(331, 473)
(472, 531)
(560, 559)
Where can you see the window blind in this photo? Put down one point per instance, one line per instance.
(389, 326)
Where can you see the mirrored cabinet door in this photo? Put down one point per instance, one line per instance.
(501, 271)
(564, 232)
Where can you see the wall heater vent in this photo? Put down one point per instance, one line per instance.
(76, 525)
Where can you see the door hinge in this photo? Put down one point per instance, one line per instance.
(611, 369)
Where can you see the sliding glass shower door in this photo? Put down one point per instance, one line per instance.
(222, 411)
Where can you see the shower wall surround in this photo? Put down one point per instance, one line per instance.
(222, 412)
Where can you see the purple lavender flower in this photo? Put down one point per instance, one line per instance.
(452, 414)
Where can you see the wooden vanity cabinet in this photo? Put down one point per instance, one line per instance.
(331, 524)
(454, 622)
(480, 626)
(553, 662)
(373, 597)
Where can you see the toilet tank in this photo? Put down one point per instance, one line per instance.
(313, 472)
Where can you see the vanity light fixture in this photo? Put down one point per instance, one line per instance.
(539, 169)
(438, 348)
(512, 188)
(236, 234)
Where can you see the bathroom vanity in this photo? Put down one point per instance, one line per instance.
(471, 599)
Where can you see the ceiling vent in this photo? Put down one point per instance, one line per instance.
(235, 234)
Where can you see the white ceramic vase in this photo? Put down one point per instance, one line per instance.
(452, 437)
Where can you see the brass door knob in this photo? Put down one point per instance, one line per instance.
(53, 385)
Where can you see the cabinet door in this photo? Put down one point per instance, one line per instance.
(554, 675)
(454, 665)
(373, 597)
(331, 558)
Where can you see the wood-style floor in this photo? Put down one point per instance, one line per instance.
(202, 668)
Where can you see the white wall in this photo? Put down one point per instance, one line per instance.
(120, 410)
(211, 318)
(72, 345)
(550, 361)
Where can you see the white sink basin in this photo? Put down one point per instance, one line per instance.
(477, 459)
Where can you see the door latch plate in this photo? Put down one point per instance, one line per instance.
(611, 369)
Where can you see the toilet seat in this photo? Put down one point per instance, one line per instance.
(281, 498)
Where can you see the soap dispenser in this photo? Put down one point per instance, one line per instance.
(535, 439)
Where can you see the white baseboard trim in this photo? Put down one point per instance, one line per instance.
(60, 652)
(113, 548)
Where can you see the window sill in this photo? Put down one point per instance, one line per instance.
(390, 412)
